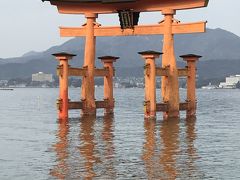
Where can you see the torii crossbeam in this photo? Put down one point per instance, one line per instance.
(177, 28)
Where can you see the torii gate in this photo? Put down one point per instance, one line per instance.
(128, 14)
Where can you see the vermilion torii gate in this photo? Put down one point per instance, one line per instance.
(128, 11)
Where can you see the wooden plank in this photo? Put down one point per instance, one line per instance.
(161, 107)
(75, 105)
(77, 71)
(183, 72)
(101, 104)
(181, 28)
(72, 31)
(188, 28)
(83, 72)
(162, 71)
(79, 105)
(73, 71)
(183, 106)
(101, 72)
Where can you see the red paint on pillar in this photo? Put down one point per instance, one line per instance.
(170, 85)
(108, 82)
(191, 83)
(63, 84)
(88, 86)
(150, 83)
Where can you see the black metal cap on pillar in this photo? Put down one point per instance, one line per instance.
(108, 58)
(63, 54)
(150, 52)
(190, 57)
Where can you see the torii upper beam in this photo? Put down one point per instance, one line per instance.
(112, 6)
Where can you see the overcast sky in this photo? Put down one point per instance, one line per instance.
(27, 25)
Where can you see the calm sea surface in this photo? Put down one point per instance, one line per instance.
(33, 145)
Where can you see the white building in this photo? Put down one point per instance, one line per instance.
(42, 77)
(230, 83)
(3, 82)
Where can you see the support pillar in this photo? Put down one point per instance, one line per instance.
(88, 86)
(191, 82)
(150, 82)
(63, 84)
(108, 82)
(170, 86)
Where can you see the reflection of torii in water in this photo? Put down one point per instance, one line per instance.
(72, 162)
(89, 147)
(172, 157)
(128, 11)
(170, 131)
(61, 170)
(160, 162)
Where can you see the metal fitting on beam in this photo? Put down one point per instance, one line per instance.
(146, 105)
(59, 104)
(147, 69)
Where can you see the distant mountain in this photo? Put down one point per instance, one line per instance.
(219, 48)
(31, 53)
(215, 44)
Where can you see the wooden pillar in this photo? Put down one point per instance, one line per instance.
(88, 86)
(108, 82)
(170, 87)
(191, 82)
(150, 82)
(63, 84)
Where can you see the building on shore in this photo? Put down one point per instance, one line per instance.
(42, 77)
(3, 83)
(231, 82)
(209, 86)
